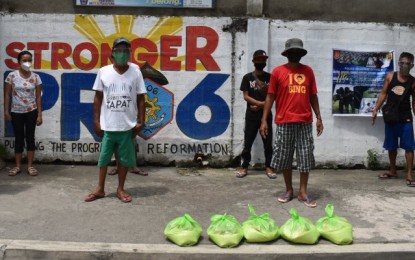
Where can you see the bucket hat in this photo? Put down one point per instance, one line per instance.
(293, 43)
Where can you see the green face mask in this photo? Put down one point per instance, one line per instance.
(121, 57)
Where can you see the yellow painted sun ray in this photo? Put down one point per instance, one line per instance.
(124, 24)
(165, 26)
(88, 27)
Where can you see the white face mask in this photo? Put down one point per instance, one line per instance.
(26, 66)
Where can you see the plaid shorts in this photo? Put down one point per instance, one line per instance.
(290, 137)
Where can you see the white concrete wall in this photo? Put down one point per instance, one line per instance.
(345, 140)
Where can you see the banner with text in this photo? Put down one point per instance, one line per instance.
(150, 3)
(186, 63)
(358, 79)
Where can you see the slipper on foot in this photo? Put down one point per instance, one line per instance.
(241, 174)
(14, 171)
(32, 171)
(271, 175)
(124, 197)
(285, 198)
(139, 172)
(308, 202)
(386, 175)
(410, 183)
(92, 196)
(113, 172)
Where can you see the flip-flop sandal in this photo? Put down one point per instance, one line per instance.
(140, 172)
(92, 196)
(271, 175)
(308, 202)
(14, 171)
(410, 183)
(32, 171)
(113, 172)
(125, 198)
(241, 174)
(285, 198)
(385, 176)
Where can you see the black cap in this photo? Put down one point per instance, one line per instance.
(260, 54)
(121, 40)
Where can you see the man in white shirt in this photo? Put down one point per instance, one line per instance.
(119, 111)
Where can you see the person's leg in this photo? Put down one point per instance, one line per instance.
(392, 161)
(302, 194)
(101, 180)
(407, 143)
(392, 133)
(282, 156)
(107, 150)
(305, 159)
(122, 176)
(135, 168)
(409, 155)
(126, 159)
(18, 129)
(288, 180)
(250, 133)
(30, 126)
(18, 159)
(114, 171)
(289, 191)
(267, 142)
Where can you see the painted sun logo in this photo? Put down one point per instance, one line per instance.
(124, 27)
(151, 108)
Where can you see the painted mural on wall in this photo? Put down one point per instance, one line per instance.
(186, 64)
(358, 80)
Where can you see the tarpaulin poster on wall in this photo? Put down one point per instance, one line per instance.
(358, 79)
(150, 3)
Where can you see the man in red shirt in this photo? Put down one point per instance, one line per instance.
(293, 87)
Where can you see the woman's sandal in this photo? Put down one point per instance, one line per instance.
(14, 171)
(32, 171)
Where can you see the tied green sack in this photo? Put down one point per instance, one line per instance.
(336, 229)
(183, 231)
(225, 230)
(299, 230)
(259, 228)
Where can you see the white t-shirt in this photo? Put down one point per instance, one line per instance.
(119, 105)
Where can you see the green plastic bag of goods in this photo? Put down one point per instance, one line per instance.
(299, 230)
(336, 229)
(259, 229)
(225, 230)
(183, 231)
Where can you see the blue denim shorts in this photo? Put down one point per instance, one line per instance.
(402, 133)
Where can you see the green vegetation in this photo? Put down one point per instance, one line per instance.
(372, 159)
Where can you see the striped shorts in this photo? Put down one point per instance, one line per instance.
(290, 137)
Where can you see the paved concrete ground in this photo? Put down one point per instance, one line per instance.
(45, 217)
